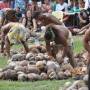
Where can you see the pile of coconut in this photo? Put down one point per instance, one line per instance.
(37, 65)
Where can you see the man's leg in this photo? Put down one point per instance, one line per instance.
(7, 46)
(71, 56)
(2, 42)
(25, 46)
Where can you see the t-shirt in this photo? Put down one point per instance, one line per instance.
(20, 3)
(63, 7)
(87, 4)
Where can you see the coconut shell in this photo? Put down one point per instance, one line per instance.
(22, 77)
(29, 55)
(33, 77)
(61, 75)
(33, 69)
(22, 69)
(52, 75)
(18, 57)
(44, 76)
(24, 63)
(41, 65)
(10, 75)
(53, 65)
(67, 73)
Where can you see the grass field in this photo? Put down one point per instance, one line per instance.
(38, 85)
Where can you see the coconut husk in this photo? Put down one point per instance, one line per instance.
(33, 77)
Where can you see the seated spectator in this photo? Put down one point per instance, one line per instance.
(21, 4)
(60, 6)
(46, 7)
(32, 6)
(18, 13)
(84, 17)
(29, 22)
(4, 4)
(74, 6)
(81, 4)
(53, 4)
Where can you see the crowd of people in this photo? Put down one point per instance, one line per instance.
(57, 17)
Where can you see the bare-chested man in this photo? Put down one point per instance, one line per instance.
(57, 32)
(16, 33)
(87, 47)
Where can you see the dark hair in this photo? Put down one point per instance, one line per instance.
(36, 14)
(48, 34)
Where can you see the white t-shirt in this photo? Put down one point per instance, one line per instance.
(87, 4)
(60, 7)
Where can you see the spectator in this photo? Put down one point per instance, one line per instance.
(87, 4)
(81, 4)
(46, 6)
(18, 13)
(60, 6)
(53, 4)
(74, 6)
(20, 4)
(29, 22)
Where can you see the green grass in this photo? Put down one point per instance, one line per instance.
(78, 44)
(38, 85)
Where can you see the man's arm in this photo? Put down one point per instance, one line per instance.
(86, 40)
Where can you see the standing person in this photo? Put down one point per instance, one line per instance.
(7, 16)
(57, 32)
(86, 42)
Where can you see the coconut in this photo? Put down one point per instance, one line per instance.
(41, 65)
(12, 64)
(33, 69)
(22, 77)
(8, 67)
(18, 57)
(32, 62)
(85, 78)
(44, 76)
(52, 75)
(61, 75)
(29, 55)
(10, 75)
(34, 50)
(53, 65)
(67, 73)
(66, 67)
(24, 63)
(20, 68)
(33, 77)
